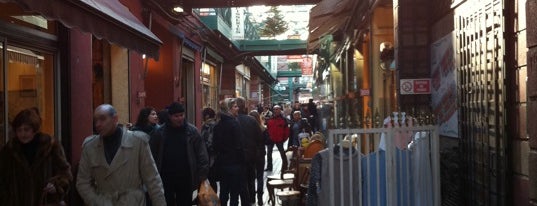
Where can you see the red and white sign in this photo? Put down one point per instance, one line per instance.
(415, 86)
(307, 66)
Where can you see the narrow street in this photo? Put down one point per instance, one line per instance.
(420, 102)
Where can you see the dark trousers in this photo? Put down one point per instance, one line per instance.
(293, 141)
(313, 121)
(259, 175)
(233, 185)
(255, 173)
(251, 182)
(270, 147)
(177, 190)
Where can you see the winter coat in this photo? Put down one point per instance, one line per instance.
(207, 133)
(198, 158)
(303, 126)
(278, 129)
(121, 182)
(21, 184)
(148, 129)
(227, 141)
(253, 142)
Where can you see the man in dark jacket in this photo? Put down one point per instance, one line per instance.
(298, 125)
(313, 115)
(181, 157)
(230, 160)
(254, 149)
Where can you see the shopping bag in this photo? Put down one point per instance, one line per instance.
(207, 196)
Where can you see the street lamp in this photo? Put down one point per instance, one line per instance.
(387, 56)
(178, 9)
(387, 65)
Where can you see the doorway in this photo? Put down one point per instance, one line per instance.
(188, 95)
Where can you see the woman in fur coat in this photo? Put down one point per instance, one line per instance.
(33, 168)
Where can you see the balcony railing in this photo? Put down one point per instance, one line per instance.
(250, 30)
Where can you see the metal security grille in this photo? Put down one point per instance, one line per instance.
(479, 27)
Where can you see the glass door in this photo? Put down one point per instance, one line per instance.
(30, 85)
(3, 118)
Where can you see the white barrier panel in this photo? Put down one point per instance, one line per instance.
(382, 167)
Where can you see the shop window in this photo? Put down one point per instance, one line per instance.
(2, 100)
(238, 84)
(209, 82)
(26, 73)
(30, 85)
(111, 77)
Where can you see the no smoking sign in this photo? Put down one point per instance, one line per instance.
(415, 86)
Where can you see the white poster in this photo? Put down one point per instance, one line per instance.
(444, 86)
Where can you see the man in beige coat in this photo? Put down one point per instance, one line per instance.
(116, 164)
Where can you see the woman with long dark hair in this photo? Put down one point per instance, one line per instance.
(147, 120)
(260, 159)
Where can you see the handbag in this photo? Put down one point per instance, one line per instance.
(207, 196)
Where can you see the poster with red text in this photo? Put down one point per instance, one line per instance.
(444, 86)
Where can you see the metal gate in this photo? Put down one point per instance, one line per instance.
(479, 27)
(397, 164)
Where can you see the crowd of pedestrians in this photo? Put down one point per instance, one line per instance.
(160, 160)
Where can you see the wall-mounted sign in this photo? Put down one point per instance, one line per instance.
(444, 86)
(415, 86)
(142, 94)
(364, 92)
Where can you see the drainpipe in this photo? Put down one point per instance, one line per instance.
(146, 59)
(371, 74)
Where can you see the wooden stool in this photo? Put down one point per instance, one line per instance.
(277, 184)
(289, 198)
(286, 176)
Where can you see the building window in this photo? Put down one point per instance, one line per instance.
(31, 85)
(26, 73)
(209, 82)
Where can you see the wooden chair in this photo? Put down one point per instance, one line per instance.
(286, 179)
(304, 184)
(272, 185)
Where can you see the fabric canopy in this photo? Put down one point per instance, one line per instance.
(107, 19)
(327, 17)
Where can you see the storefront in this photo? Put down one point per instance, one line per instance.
(242, 81)
(209, 81)
(27, 81)
(60, 57)
(28, 65)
